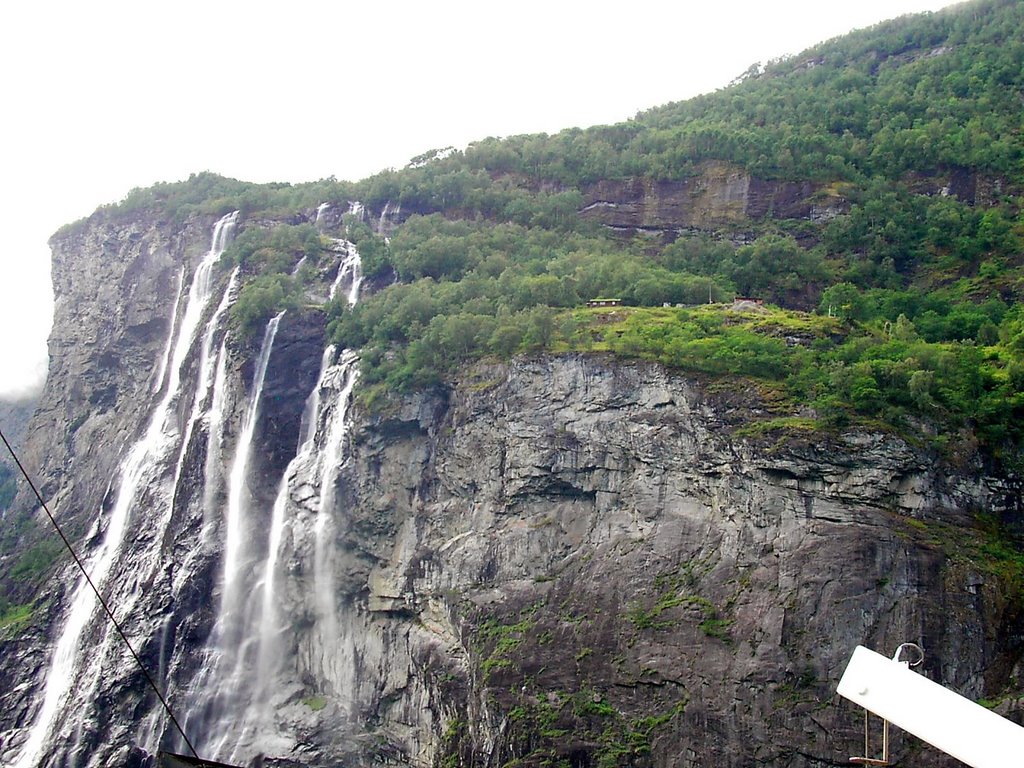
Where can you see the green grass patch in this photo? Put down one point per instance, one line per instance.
(315, 703)
(678, 588)
(37, 560)
(717, 628)
(794, 425)
(15, 619)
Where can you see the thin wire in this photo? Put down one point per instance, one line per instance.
(106, 608)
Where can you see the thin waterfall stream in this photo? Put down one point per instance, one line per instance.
(250, 670)
(195, 462)
(231, 648)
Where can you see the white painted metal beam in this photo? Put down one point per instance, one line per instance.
(956, 725)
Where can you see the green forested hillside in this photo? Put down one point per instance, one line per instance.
(896, 303)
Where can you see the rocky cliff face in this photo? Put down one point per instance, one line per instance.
(720, 195)
(557, 561)
(593, 568)
(115, 288)
(14, 416)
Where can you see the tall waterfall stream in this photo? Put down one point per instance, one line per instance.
(228, 703)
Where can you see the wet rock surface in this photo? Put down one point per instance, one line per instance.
(559, 560)
(592, 568)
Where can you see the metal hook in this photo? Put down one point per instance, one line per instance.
(916, 651)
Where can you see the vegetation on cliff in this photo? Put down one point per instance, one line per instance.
(906, 139)
(8, 485)
(888, 297)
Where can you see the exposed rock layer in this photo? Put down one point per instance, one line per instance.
(601, 563)
(560, 559)
(719, 196)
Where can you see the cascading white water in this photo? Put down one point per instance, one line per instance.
(158, 380)
(207, 370)
(343, 381)
(225, 678)
(207, 406)
(233, 599)
(382, 222)
(140, 466)
(268, 656)
(320, 211)
(311, 412)
(254, 686)
(329, 453)
(231, 682)
(214, 446)
(386, 217)
(358, 210)
(350, 270)
(252, 728)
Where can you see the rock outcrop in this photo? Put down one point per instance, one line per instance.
(719, 196)
(115, 282)
(14, 416)
(592, 568)
(568, 560)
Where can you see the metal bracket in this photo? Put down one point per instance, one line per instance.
(867, 745)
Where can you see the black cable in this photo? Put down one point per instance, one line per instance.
(106, 608)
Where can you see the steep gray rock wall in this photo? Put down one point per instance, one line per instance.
(576, 559)
(557, 561)
(718, 196)
(114, 284)
(14, 417)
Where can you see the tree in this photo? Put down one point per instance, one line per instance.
(540, 327)
(261, 299)
(776, 268)
(842, 300)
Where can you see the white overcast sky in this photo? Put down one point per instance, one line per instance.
(100, 97)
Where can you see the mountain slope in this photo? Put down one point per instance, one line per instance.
(536, 533)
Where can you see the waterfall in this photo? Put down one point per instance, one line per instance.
(320, 211)
(358, 210)
(268, 657)
(207, 370)
(387, 215)
(208, 408)
(343, 380)
(350, 269)
(214, 446)
(224, 680)
(158, 380)
(141, 466)
(260, 683)
(233, 599)
(311, 412)
(191, 468)
(383, 220)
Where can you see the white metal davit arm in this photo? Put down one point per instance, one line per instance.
(956, 725)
